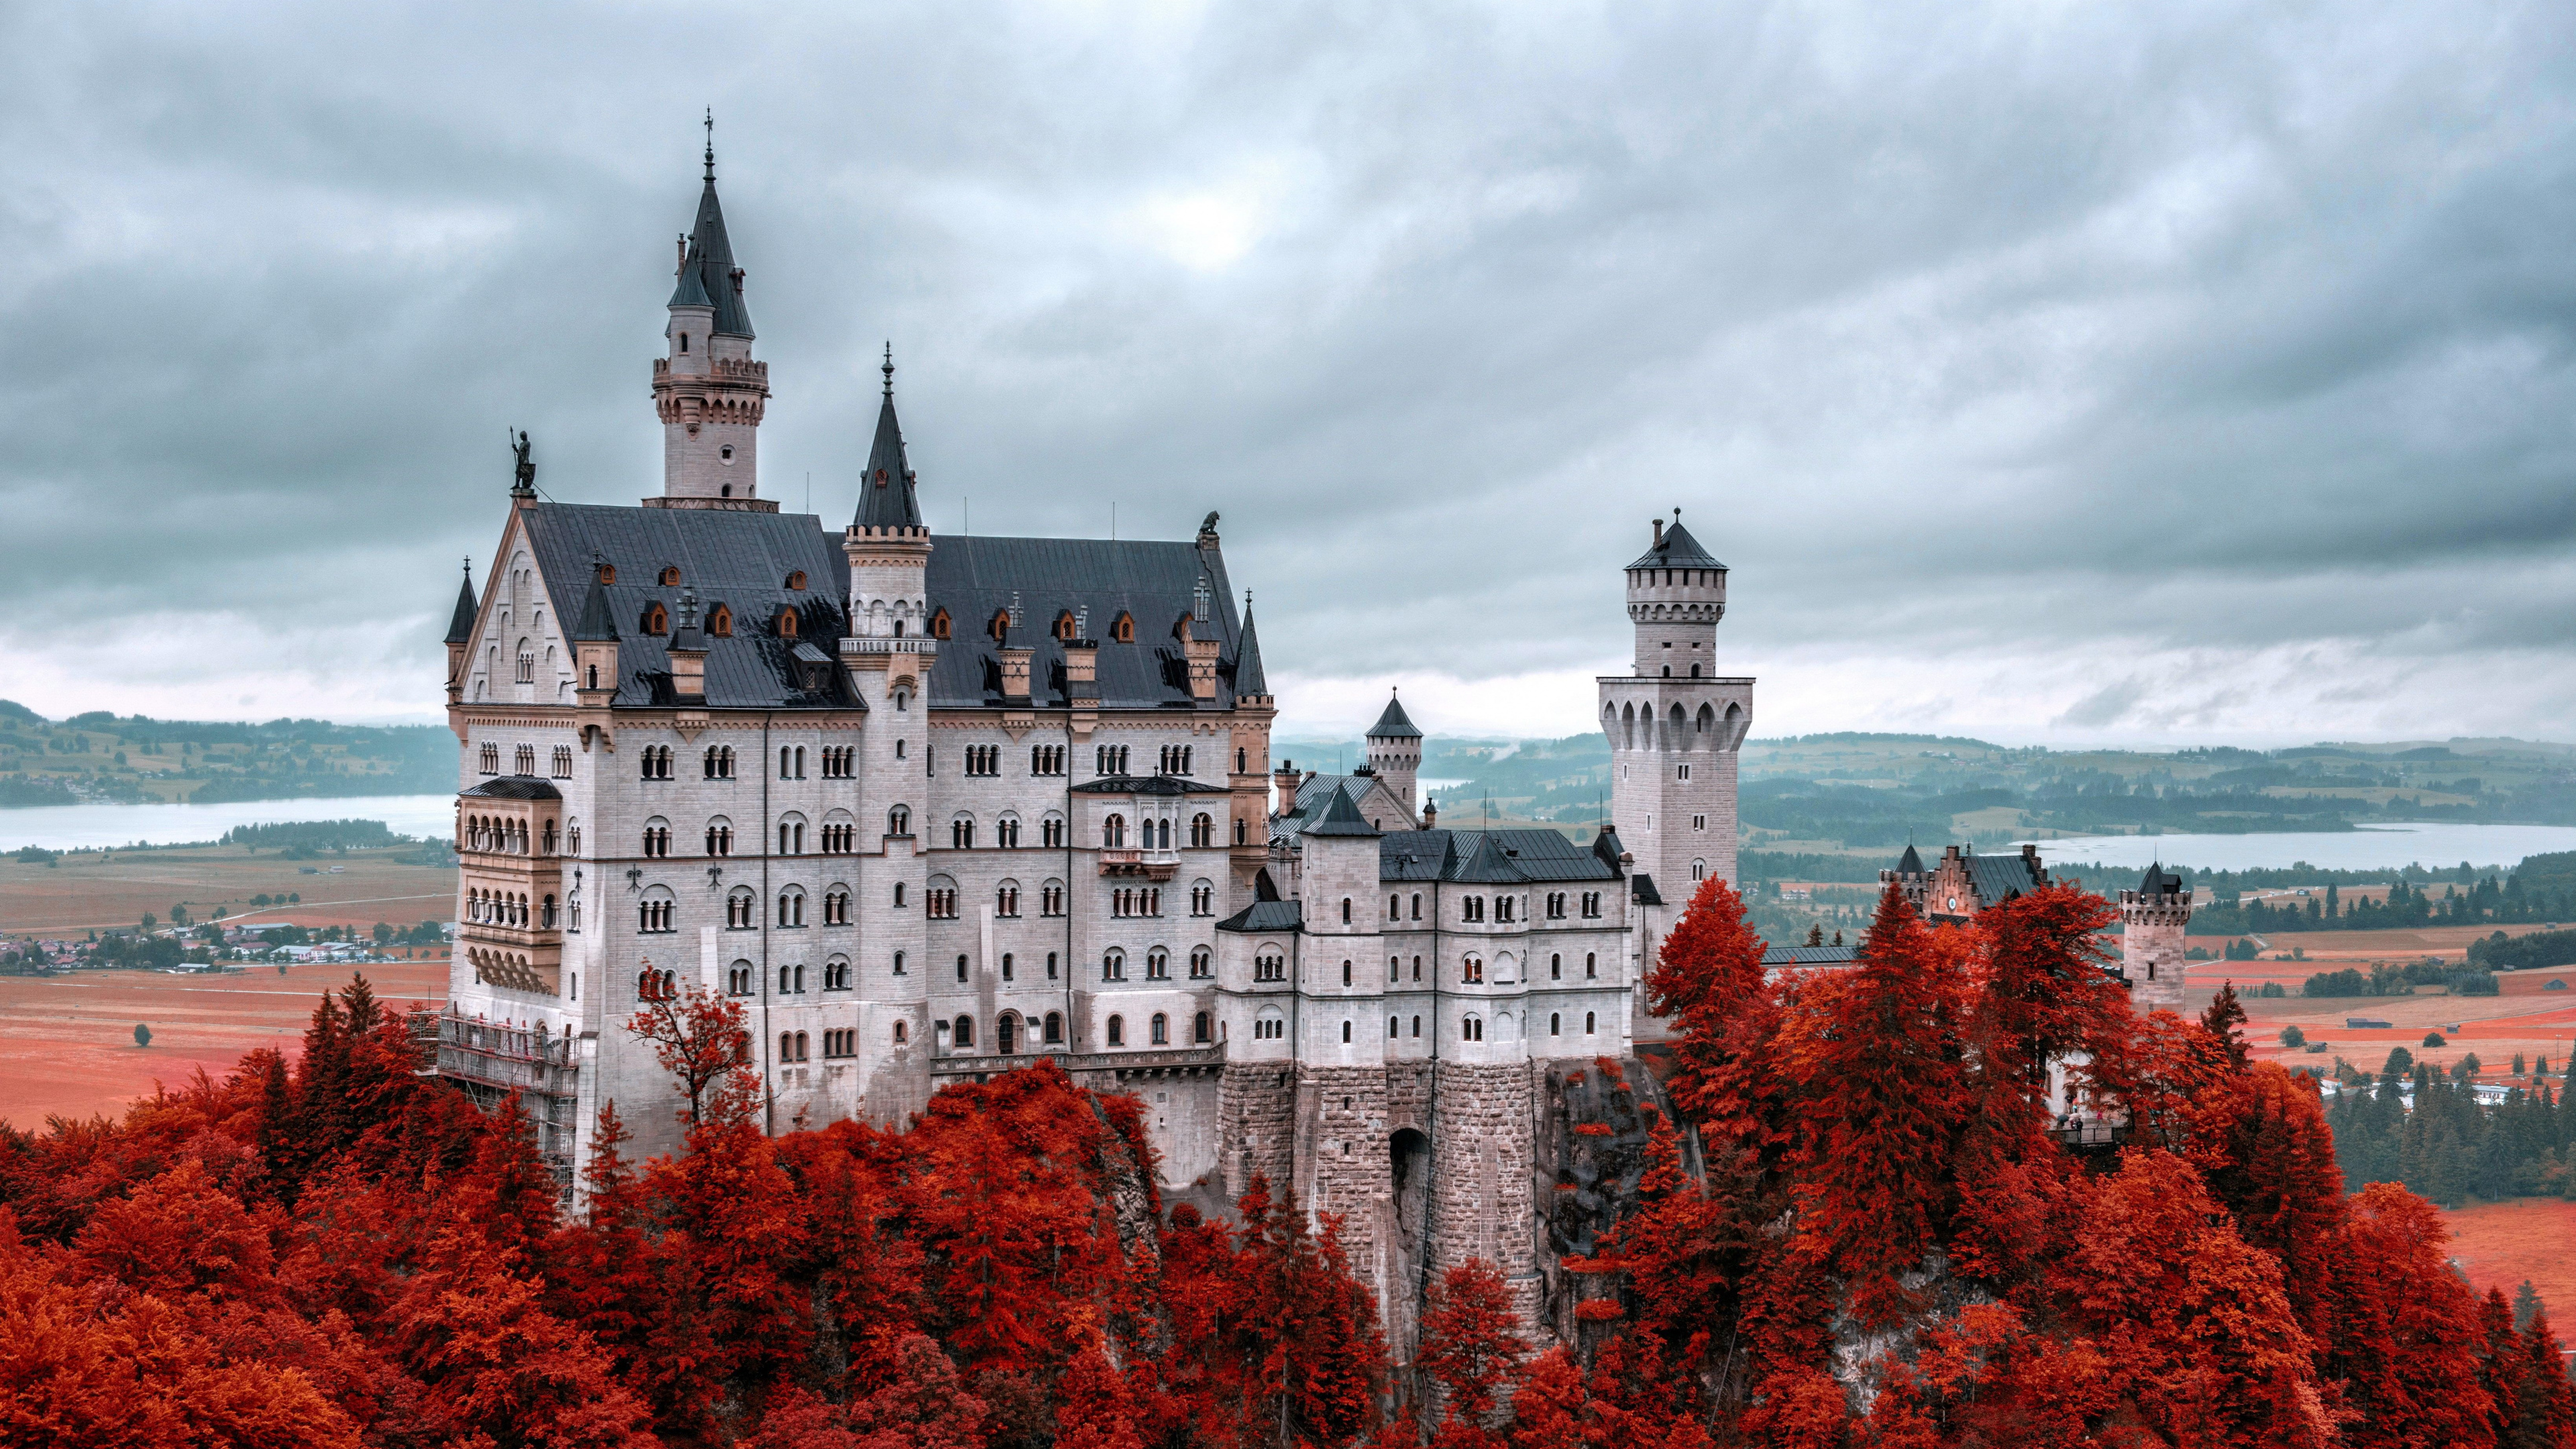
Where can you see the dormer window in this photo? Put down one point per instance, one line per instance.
(720, 622)
(1000, 628)
(796, 581)
(670, 575)
(939, 626)
(656, 621)
(1064, 627)
(1124, 631)
(1181, 627)
(787, 623)
(608, 573)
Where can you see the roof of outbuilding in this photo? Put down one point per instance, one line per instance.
(741, 560)
(707, 272)
(1642, 887)
(1999, 878)
(513, 787)
(460, 625)
(1393, 724)
(1776, 956)
(1676, 550)
(1263, 916)
(1155, 581)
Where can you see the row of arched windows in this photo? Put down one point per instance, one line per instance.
(1632, 729)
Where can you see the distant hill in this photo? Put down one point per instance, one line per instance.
(133, 759)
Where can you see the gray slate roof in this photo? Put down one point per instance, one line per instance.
(1146, 785)
(598, 621)
(460, 625)
(1338, 817)
(2161, 881)
(706, 274)
(1247, 659)
(1393, 725)
(975, 578)
(1678, 550)
(740, 560)
(1266, 916)
(1499, 857)
(513, 787)
(1810, 955)
(1910, 863)
(1999, 878)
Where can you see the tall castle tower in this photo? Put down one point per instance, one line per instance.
(707, 389)
(1395, 753)
(2153, 920)
(1675, 724)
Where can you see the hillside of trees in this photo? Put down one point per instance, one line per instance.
(1866, 1227)
(131, 759)
(2450, 1147)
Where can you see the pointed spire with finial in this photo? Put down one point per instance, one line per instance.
(711, 145)
(1248, 679)
(708, 276)
(886, 492)
(1394, 724)
(460, 625)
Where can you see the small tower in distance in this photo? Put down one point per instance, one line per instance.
(707, 389)
(2153, 920)
(1395, 753)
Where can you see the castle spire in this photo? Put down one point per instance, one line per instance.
(708, 390)
(1248, 678)
(886, 497)
(460, 625)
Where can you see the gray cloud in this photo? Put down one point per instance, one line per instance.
(2050, 374)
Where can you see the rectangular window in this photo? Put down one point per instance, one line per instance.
(1699, 822)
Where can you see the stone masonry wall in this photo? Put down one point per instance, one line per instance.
(1480, 1204)
(1257, 1109)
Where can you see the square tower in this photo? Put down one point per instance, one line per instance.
(1675, 724)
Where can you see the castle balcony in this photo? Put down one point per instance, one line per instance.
(1089, 1068)
(1154, 865)
(489, 1061)
(928, 649)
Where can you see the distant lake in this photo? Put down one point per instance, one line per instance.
(2369, 847)
(87, 827)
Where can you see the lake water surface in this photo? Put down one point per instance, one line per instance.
(2370, 847)
(84, 827)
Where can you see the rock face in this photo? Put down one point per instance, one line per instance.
(1593, 1124)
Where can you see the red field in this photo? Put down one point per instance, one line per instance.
(2500, 1244)
(67, 1042)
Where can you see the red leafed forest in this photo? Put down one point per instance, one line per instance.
(1883, 1244)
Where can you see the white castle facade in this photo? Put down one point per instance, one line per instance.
(930, 808)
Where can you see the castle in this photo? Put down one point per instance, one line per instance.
(931, 807)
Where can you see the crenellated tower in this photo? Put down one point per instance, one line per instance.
(2154, 919)
(707, 389)
(1675, 724)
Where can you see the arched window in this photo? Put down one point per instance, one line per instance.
(1054, 1027)
(1161, 1030)
(1202, 1028)
(738, 978)
(999, 626)
(940, 628)
(786, 624)
(1699, 870)
(670, 575)
(720, 622)
(607, 573)
(1587, 1023)
(1346, 910)
(1471, 971)
(791, 907)
(961, 833)
(1391, 1024)
(1590, 966)
(1117, 1031)
(900, 1034)
(796, 580)
(1202, 963)
(1124, 631)
(1471, 1029)
(1064, 626)
(899, 822)
(656, 619)
(1346, 1033)
(1113, 833)
(1202, 831)
(1113, 965)
(963, 1033)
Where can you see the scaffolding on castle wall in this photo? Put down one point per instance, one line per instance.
(490, 1060)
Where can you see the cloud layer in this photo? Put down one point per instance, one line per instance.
(2045, 372)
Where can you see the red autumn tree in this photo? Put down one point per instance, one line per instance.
(1547, 1412)
(1472, 1346)
(2406, 1331)
(1708, 981)
(1094, 1407)
(1874, 1057)
(701, 1039)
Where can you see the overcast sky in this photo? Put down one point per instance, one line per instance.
(2054, 373)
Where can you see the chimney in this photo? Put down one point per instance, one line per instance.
(1659, 533)
(1283, 783)
(1082, 661)
(688, 651)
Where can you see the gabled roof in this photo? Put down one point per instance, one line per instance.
(2161, 881)
(1393, 725)
(513, 787)
(707, 272)
(1247, 659)
(1999, 878)
(742, 558)
(885, 491)
(1778, 956)
(1676, 550)
(977, 577)
(1487, 857)
(1339, 817)
(460, 625)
